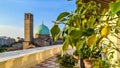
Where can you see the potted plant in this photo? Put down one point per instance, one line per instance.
(88, 31)
(76, 55)
(66, 61)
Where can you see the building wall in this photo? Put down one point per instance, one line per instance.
(3, 41)
(42, 40)
(10, 41)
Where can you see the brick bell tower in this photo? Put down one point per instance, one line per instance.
(28, 30)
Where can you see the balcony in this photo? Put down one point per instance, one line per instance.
(27, 58)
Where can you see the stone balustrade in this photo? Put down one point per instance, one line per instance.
(28, 57)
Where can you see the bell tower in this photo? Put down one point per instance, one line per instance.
(28, 30)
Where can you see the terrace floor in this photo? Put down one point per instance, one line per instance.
(50, 63)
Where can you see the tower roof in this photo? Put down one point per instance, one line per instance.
(42, 29)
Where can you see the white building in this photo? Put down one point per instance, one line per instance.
(6, 41)
(3, 41)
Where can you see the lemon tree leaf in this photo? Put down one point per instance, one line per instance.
(76, 33)
(62, 15)
(114, 7)
(65, 44)
(55, 31)
(71, 42)
(118, 22)
(80, 44)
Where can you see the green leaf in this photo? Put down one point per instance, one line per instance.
(118, 14)
(80, 45)
(117, 0)
(116, 31)
(63, 20)
(55, 31)
(70, 29)
(57, 36)
(71, 42)
(62, 15)
(114, 7)
(70, 21)
(88, 32)
(91, 22)
(65, 44)
(76, 33)
(86, 9)
(65, 31)
(118, 22)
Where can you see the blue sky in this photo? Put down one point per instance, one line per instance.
(12, 14)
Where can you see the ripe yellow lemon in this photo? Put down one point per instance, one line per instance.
(104, 50)
(91, 40)
(105, 31)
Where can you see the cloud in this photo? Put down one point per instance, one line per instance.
(11, 31)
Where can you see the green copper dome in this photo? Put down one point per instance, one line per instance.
(42, 29)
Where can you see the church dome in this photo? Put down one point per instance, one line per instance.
(42, 29)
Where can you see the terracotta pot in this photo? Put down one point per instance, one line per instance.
(88, 63)
(77, 57)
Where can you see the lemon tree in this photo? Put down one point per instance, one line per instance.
(85, 28)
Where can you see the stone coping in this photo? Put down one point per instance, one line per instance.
(19, 53)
